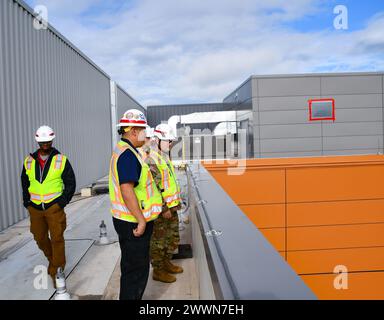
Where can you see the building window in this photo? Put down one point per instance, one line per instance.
(322, 109)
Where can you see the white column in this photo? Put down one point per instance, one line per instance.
(114, 113)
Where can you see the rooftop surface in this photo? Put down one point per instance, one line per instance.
(92, 270)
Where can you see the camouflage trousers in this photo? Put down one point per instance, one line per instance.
(165, 239)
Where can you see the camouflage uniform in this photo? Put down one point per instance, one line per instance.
(165, 238)
(174, 238)
(174, 225)
(145, 148)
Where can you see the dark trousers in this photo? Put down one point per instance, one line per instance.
(135, 259)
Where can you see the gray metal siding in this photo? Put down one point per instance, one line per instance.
(282, 128)
(351, 85)
(281, 87)
(242, 94)
(46, 81)
(289, 131)
(290, 144)
(125, 102)
(284, 103)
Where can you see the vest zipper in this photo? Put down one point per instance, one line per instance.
(41, 179)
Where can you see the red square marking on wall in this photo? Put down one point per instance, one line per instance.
(322, 109)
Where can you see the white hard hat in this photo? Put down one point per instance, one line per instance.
(133, 118)
(44, 134)
(149, 132)
(164, 132)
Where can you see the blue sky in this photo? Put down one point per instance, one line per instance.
(185, 51)
(359, 14)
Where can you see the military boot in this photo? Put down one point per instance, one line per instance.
(171, 268)
(161, 275)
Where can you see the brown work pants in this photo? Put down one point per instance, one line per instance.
(52, 221)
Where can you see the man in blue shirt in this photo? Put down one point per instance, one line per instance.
(134, 232)
(128, 167)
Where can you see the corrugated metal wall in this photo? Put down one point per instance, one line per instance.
(121, 101)
(241, 97)
(282, 128)
(46, 80)
(125, 101)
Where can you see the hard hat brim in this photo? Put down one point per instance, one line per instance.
(160, 137)
(143, 125)
(45, 139)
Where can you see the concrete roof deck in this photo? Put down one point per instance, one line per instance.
(92, 270)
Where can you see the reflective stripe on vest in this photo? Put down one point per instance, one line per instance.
(45, 197)
(121, 210)
(166, 177)
(29, 162)
(148, 197)
(149, 187)
(175, 197)
(174, 175)
(58, 162)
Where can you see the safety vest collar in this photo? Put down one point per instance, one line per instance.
(122, 146)
(34, 156)
(130, 144)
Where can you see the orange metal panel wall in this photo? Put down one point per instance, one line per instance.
(270, 186)
(265, 216)
(335, 183)
(335, 212)
(319, 213)
(363, 285)
(324, 261)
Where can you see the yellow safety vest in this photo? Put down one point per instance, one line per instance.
(148, 197)
(169, 185)
(52, 187)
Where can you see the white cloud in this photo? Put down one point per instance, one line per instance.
(67, 8)
(173, 51)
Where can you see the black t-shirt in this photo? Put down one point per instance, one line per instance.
(128, 167)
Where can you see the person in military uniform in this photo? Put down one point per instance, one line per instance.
(148, 144)
(165, 238)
